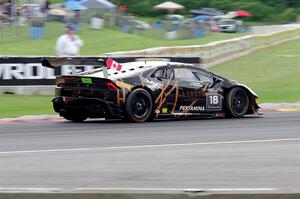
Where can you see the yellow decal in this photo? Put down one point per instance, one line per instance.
(124, 85)
(164, 110)
(257, 100)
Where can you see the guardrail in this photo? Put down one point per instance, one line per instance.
(221, 51)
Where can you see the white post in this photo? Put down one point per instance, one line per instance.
(105, 72)
(104, 69)
(74, 71)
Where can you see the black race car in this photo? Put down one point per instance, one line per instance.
(145, 89)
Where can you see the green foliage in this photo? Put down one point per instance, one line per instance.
(289, 14)
(270, 11)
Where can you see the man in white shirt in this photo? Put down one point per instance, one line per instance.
(68, 44)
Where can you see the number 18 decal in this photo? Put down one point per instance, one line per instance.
(213, 99)
(213, 102)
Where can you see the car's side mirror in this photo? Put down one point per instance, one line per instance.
(216, 80)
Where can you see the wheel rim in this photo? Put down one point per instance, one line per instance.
(140, 105)
(240, 102)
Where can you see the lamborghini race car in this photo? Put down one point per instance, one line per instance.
(146, 89)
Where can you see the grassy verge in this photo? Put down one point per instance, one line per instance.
(17, 105)
(273, 73)
(95, 41)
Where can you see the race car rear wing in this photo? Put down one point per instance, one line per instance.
(56, 62)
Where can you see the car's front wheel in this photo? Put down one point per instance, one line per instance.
(139, 105)
(237, 102)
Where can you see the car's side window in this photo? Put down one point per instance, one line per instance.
(203, 77)
(162, 73)
(185, 74)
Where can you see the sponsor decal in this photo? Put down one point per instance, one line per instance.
(192, 93)
(164, 110)
(34, 73)
(86, 80)
(213, 102)
(192, 108)
(196, 84)
(25, 71)
(124, 85)
(156, 84)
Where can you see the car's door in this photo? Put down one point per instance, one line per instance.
(212, 100)
(164, 100)
(191, 98)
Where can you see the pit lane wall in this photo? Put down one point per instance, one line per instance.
(29, 77)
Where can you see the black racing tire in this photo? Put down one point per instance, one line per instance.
(139, 106)
(237, 102)
(74, 116)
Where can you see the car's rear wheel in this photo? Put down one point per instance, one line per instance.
(74, 116)
(237, 102)
(139, 105)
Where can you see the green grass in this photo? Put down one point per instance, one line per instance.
(17, 105)
(273, 73)
(95, 41)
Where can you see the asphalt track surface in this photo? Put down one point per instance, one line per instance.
(249, 153)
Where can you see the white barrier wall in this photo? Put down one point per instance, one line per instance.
(221, 51)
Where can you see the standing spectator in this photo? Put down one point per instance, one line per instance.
(22, 17)
(47, 5)
(68, 44)
(46, 8)
(8, 9)
(2, 15)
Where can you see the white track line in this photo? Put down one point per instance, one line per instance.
(150, 146)
(46, 190)
(35, 190)
(176, 189)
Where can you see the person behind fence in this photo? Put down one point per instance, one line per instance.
(68, 44)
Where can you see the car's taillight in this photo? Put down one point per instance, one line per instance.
(111, 85)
